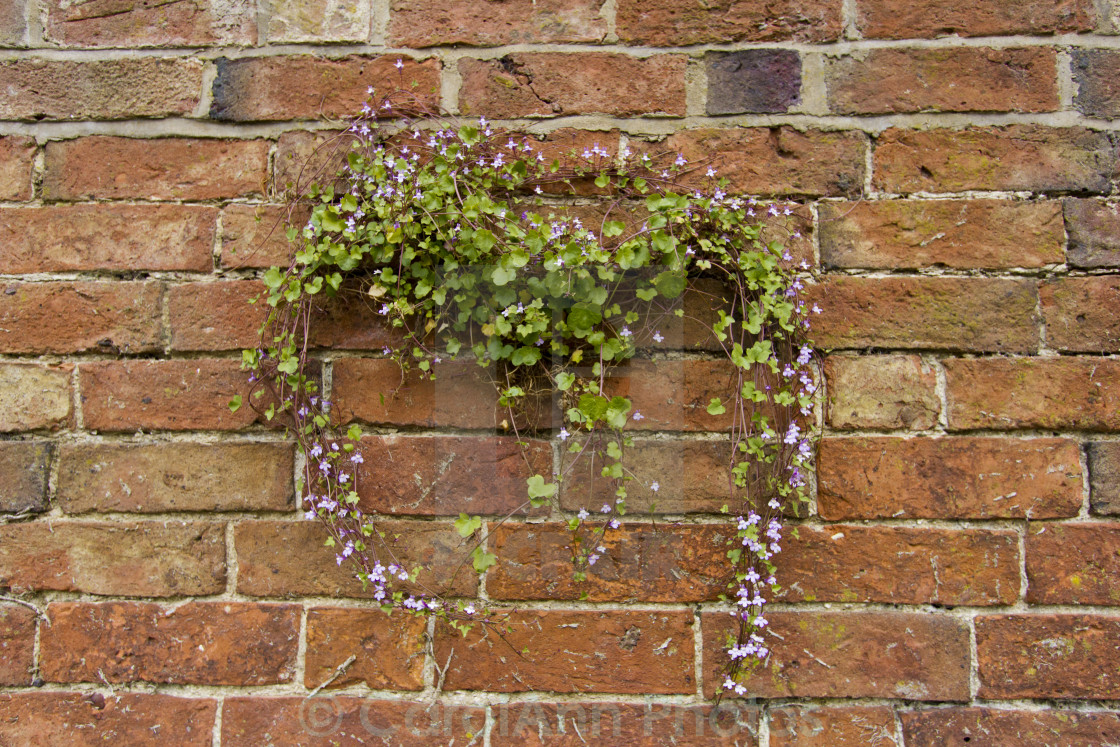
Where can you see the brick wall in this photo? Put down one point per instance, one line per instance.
(958, 577)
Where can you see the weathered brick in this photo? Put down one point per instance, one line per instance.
(1093, 227)
(556, 84)
(1080, 314)
(567, 651)
(1073, 563)
(13, 23)
(955, 79)
(656, 724)
(33, 397)
(197, 643)
(107, 23)
(755, 81)
(964, 234)
(979, 314)
(61, 238)
(336, 634)
(17, 647)
(1017, 157)
(287, 558)
(159, 168)
(962, 727)
(907, 19)
(216, 316)
(152, 559)
(162, 477)
(1104, 477)
(256, 235)
(166, 394)
(70, 317)
(1094, 74)
(915, 656)
(88, 719)
(948, 478)
(311, 87)
(1033, 393)
(446, 475)
(1048, 656)
(17, 155)
(330, 21)
(99, 89)
(324, 722)
(433, 23)
(881, 392)
(769, 160)
(898, 565)
(669, 23)
(852, 726)
(673, 395)
(651, 564)
(24, 473)
(305, 158)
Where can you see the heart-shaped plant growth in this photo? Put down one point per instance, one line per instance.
(548, 269)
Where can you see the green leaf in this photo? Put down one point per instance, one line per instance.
(564, 381)
(467, 525)
(715, 407)
(235, 403)
(670, 283)
(273, 278)
(538, 488)
(482, 559)
(501, 276)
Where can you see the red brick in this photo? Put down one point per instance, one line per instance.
(13, 23)
(896, 565)
(907, 19)
(1073, 563)
(655, 724)
(159, 168)
(289, 559)
(1094, 74)
(559, 84)
(978, 314)
(1104, 477)
(1016, 157)
(158, 477)
(197, 643)
(336, 634)
(852, 726)
(651, 564)
(311, 87)
(326, 21)
(570, 652)
(948, 478)
(755, 81)
(34, 397)
(105, 23)
(960, 727)
(99, 89)
(668, 23)
(323, 721)
(24, 476)
(691, 477)
(86, 719)
(1033, 393)
(433, 23)
(216, 315)
(915, 656)
(446, 475)
(256, 235)
(1081, 314)
(883, 392)
(1048, 656)
(17, 155)
(304, 158)
(150, 559)
(769, 160)
(1093, 227)
(61, 238)
(168, 394)
(964, 234)
(71, 317)
(17, 647)
(955, 79)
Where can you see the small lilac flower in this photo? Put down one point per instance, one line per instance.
(638, 415)
(606, 509)
(563, 434)
(357, 458)
(614, 524)
(583, 514)
(399, 64)
(657, 336)
(655, 486)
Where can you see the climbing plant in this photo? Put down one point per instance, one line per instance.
(457, 234)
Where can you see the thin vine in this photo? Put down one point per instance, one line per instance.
(450, 230)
